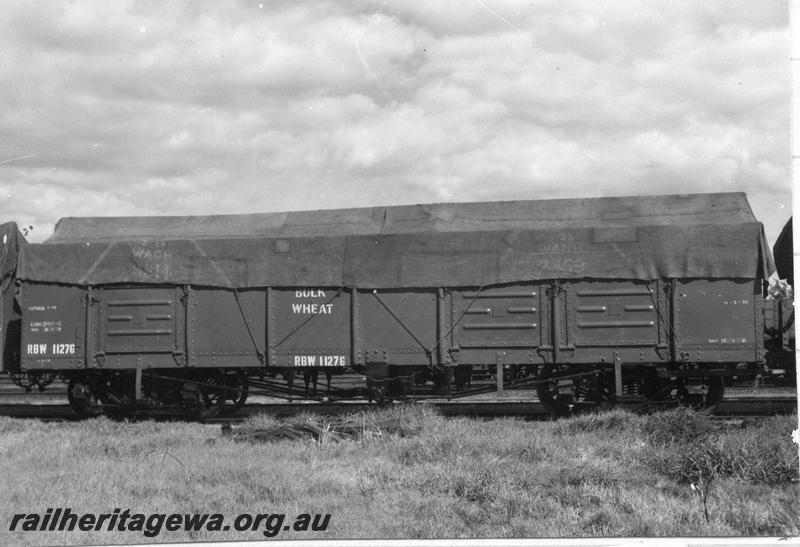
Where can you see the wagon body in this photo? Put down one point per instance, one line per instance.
(128, 327)
(658, 279)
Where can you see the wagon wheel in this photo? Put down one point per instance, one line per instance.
(462, 376)
(82, 399)
(376, 391)
(421, 376)
(598, 388)
(716, 392)
(709, 398)
(237, 386)
(675, 390)
(204, 398)
(518, 372)
(553, 394)
(656, 389)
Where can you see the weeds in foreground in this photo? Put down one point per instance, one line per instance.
(701, 454)
(610, 474)
(759, 454)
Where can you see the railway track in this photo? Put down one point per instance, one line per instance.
(51, 405)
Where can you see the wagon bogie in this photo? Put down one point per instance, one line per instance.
(92, 393)
(564, 388)
(204, 395)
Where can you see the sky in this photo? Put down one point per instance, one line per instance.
(172, 108)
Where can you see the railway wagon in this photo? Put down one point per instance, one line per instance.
(779, 315)
(655, 297)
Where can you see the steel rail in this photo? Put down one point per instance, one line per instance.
(742, 407)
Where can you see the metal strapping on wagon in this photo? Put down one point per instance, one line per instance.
(401, 322)
(259, 352)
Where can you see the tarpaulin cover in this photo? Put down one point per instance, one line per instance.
(468, 244)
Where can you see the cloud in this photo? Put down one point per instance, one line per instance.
(205, 107)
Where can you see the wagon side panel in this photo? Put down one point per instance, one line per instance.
(309, 327)
(138, 327)
(610, 321)
(498, 324)
(397, 327)
(53, 326)
(226, 328)
(718, 320)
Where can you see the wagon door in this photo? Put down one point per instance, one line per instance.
(497, 323)
(139, 326)
(610, 321)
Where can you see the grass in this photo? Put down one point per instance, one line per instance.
(610, 474)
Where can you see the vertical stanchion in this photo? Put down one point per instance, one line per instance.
(499, 374)
(137, 395)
